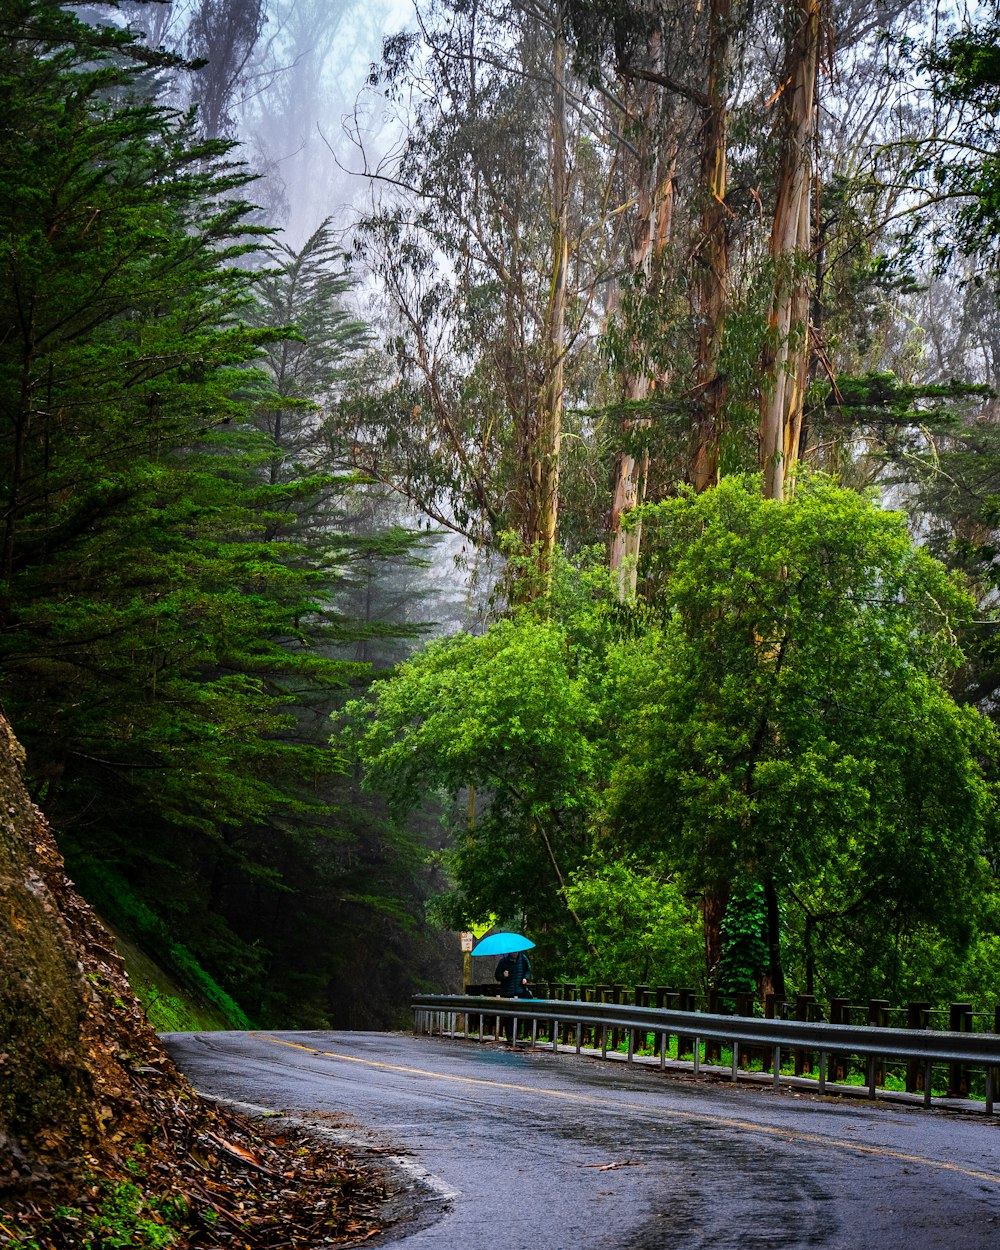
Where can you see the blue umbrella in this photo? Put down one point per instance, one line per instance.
(502, 944)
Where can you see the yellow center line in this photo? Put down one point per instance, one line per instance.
(676, 1113)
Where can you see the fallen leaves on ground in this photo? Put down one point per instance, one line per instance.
(225, 1182)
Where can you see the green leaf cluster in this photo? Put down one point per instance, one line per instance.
(774, 711)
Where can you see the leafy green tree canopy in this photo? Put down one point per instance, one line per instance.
(503, 713)
(773, 715)
(789, 720)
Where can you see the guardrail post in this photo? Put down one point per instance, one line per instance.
(992, 1072)
(685, 1002)
(640, 996)
(617, 997)
(660, 1040)
(745, 1006)
(917, 1017)
(541, 991)
(604, 994)
(960, 1021)
(878, 1017)
(766, 1058)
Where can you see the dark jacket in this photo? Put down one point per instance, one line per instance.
(519, 968)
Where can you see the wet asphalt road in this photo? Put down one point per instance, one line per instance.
(516, 1148)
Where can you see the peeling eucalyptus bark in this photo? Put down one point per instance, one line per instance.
(786, 358)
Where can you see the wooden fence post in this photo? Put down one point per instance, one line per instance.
(959, 1021)
(993, 1074)
(685, 1002)
(767, 1052)
(639, 998)
(661, 1040)
(713, 1049)
(918, 1016)
(803, 1058)
(878, 1018)
(745, 1004)
(586, 996)
(617, 995)
(840, 1013)
(568, 994)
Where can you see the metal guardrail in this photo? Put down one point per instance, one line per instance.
(926, 1046)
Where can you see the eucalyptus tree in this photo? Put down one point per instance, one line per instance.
(786, 357)
(219, 41)
(222, 36)
(300, 91)
(669, 69)
(490, 236)
(949, 466)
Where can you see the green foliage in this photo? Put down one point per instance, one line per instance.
(962, 161)
(507, 714)
(791, 721)
(121, 1216)
(775, 715)
(744, 954)
(143, 617)
(461, 240)
(638, 928)
(880, 399)
(176, 548)
(116, 900)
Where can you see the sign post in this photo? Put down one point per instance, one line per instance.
(467, 940)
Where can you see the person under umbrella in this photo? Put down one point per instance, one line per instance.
(513, 972)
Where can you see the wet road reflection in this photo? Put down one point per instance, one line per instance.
(533, 1151)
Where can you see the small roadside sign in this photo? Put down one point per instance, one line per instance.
(467, 940)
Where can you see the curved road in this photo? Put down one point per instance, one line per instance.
(528, 1150)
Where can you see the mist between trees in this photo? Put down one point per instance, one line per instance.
(641, 355)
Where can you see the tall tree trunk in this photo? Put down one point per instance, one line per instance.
(713, 909)
(786, 357)
(775, 972)
(543, 486)
(713, 252)
(654, 210)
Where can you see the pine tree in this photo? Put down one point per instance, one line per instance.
(162, 618)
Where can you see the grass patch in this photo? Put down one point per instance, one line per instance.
(116, 1214)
